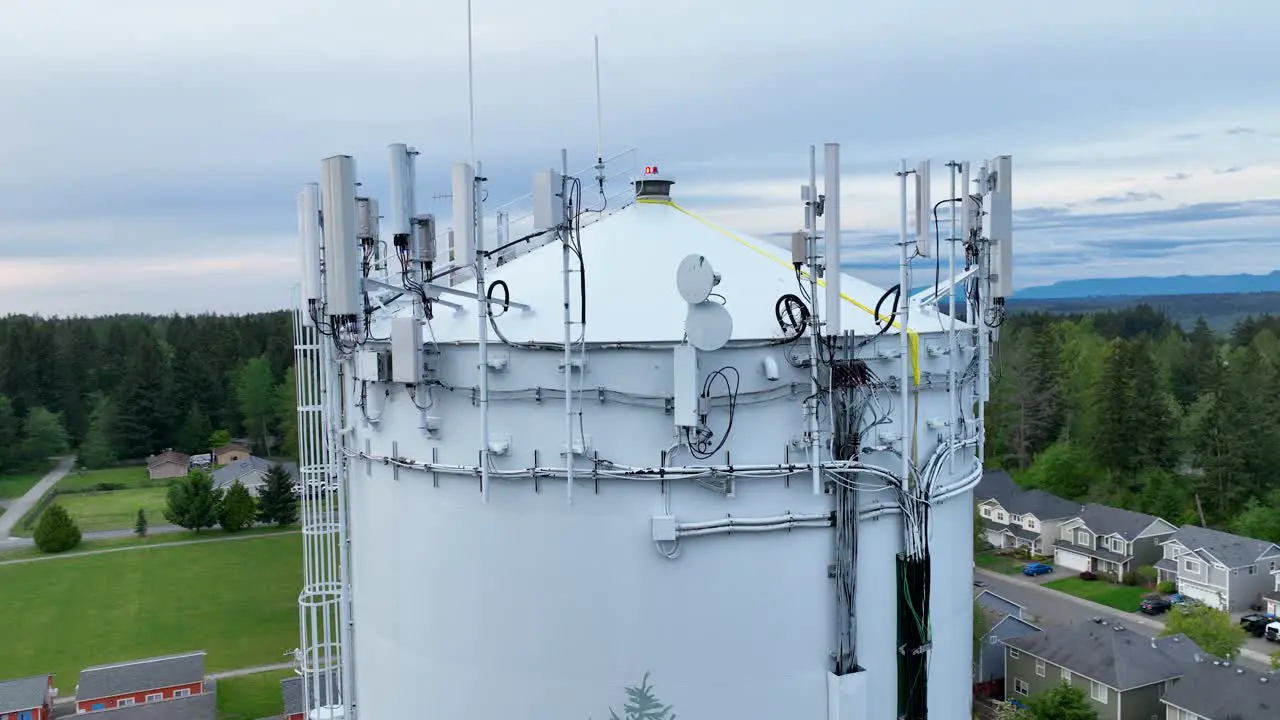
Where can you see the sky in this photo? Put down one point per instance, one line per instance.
(150, 152)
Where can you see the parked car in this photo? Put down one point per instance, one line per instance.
(1036, 568)
(1154, 605)
(1273, 631)
(1255, 624)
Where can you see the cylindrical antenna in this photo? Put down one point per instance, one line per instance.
(471, 91)
(599, 113)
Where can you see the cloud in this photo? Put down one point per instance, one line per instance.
(145, 142)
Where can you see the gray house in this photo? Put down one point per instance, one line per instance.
(1271, 600)
(1219, 690)
(1123, 673)
(250, 471)
(1224, 571)
(1017, 518)
(1104, 539)
(1004, 621)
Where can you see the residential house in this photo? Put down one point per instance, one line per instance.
(251, 472)
(1104, 539)
(1123, 673)
(168, 464)
(291, 689)
(138, 682)
(1017, 518)
(1220, 690)
(203, 706)
(1005, 621)
(1224, 571)
(230, 453)
(27, 698)
(1271, 600)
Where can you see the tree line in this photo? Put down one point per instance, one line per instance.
(1129, 409)
(123, 387)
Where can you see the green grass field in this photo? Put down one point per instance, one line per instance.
(15, 485)
(132, 476)
(1120, 597)
(211, 534)
(999, 563)
(114, 510)
(235, 600)
(250, 697)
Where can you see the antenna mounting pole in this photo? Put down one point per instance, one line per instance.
(471, 92)
(599, 123)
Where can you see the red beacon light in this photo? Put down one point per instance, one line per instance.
(650, 169)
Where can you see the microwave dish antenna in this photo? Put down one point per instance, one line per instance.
(707, 323)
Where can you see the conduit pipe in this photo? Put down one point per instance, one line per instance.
(749, 522)
(953, 353)
(815, 323)
(904, 290)
(568, 325)
(728, 530)
(482, 324)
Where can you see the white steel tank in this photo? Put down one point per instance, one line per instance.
(697, 564)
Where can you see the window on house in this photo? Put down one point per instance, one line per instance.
(986, 512)
(1001, 517)
(1039, 667)
(1273, 566)
(1014, 654)
(1020, 686)
(1098, 691)
(1251, 570)
(182, 692)
(1191, 566)
(124, 702)
(155, 697)
(1015, 518)
(1031, 524)
(1066, 675)
(1117, 545)
(993, 639)
(1084, 538)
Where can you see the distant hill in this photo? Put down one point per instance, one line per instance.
(1221, 310)
(1154, 286)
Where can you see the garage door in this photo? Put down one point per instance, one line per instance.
(1070, 560)
(1205, 595)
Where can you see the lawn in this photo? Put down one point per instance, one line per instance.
(131, 476)
(114, 510)
(235, 600)
(1120, 597)
(249, 697)
(132, 541)
(16, 485)
(999, 563)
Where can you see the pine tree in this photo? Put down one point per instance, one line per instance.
(286, 413)
(1112, 429)
(255, 393)
(192, 502)
(57, 531)
(9, 460)
(643, 705)
(237, 509)
(97, 451)
(140, 525)
(277, 500)
(43, 437)
(194, 436)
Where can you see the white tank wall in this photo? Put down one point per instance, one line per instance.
(533, 608)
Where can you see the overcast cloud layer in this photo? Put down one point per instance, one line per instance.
(150, 151)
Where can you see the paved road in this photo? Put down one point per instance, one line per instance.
(1051, 607)
(20, 506)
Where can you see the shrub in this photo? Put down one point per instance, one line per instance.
(1088, 575)
(57, 531)
(1166, 587)
(1145, 576)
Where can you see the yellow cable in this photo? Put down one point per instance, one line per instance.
(913, 338)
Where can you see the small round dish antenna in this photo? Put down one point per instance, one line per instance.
(708, 326)
(695, 279)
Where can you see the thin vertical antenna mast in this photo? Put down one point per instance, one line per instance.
(599, 124)
(471, 92)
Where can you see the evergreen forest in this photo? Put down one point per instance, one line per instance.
(1128, 409)
(121, 387)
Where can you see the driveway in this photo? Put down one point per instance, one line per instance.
(20, 506)
(1051, 607)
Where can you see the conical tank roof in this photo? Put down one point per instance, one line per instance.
(631, 259)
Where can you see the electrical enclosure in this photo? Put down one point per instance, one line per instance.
(685, 404)
(548, 205)
(464, 210)
(342, 258)
(424, 230)
(367, 218)
(406, 350)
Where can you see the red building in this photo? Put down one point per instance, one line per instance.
(139, 682)
(27, 699)
(291, 689)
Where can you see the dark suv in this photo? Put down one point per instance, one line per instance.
(1255, 624)
(1154, 605)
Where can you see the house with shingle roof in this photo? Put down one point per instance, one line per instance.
(1217, 690)
(1104, 539)
(1003, 620)
(251, 472)
(168, 464)
(1015, 518)
(1224, 571)
(140, 682)
(1124, 674)
(29, 698)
